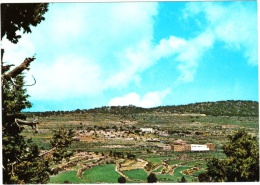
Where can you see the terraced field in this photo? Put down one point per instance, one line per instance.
(112, 144)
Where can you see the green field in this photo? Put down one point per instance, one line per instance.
(159, 169)
(156, 160)
(136, 175)
(166, 178)
(101, 174)
(66, 176)
(178, 123)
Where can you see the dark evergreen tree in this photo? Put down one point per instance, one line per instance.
(203, 177)
(183, 179)
(121, 179)
(152, 178)
(22, 161)
(20, 16)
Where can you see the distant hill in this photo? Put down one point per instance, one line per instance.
(219, 108)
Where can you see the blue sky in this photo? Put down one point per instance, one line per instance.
(146, 54)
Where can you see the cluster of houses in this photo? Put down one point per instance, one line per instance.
(178, 145)
(181, 146)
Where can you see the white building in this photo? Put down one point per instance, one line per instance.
(151, 130)
(195, 147)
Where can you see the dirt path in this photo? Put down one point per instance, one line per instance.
(156, 169)
(117, 170)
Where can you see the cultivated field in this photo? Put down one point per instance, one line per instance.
(109, 145)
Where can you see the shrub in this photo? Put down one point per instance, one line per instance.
(152, 178)
(122, 179)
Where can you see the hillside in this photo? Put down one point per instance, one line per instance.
(219, 108)
(135, 141)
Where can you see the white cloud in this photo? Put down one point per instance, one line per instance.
(150, 99)
(85, 48)
(235, 24)
(168, 47)
(133, 60)
(69, 76)
(78, 47)
(16, 53)
(190, 55)
(237, 30)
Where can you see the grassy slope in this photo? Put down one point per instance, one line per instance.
(107, 174)
(137, 175)
(101, 174)
(66, 176)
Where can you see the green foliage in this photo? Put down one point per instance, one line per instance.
(121, 179)
(150, 166)
(61, 140)
(16, 17)
(183, 179)
(152, 178)
(14, 96)
(22, 162)
(219, 108)
(242, 162)
(203, 177)
(20, 155)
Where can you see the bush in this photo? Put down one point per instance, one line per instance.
(152, 178)
(122, 179)
(203, 177)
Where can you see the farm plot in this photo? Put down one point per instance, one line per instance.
(69, 176)
(157, 160)
(132, 164)
(178, 173)
(158, 169)
(166, 178)
(101, 174)
(138, 175)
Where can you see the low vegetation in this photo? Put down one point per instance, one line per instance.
(112, 142)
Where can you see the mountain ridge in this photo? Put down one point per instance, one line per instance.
(217, 108)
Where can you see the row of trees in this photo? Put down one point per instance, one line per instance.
(220, 108)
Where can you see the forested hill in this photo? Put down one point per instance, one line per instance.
(219, 108)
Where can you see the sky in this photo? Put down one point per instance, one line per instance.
(145, 54)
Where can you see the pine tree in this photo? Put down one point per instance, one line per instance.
(22, 161)
(121, 179)
(152, 178)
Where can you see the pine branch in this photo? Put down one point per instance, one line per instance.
(19, 69)
(33, 123)
(47, 152)
(6, 68)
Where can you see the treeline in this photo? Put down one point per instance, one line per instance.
(219, 108)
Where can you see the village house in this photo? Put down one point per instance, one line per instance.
(166, 147)
(181, 146)
(196, 147)
(148, 130)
